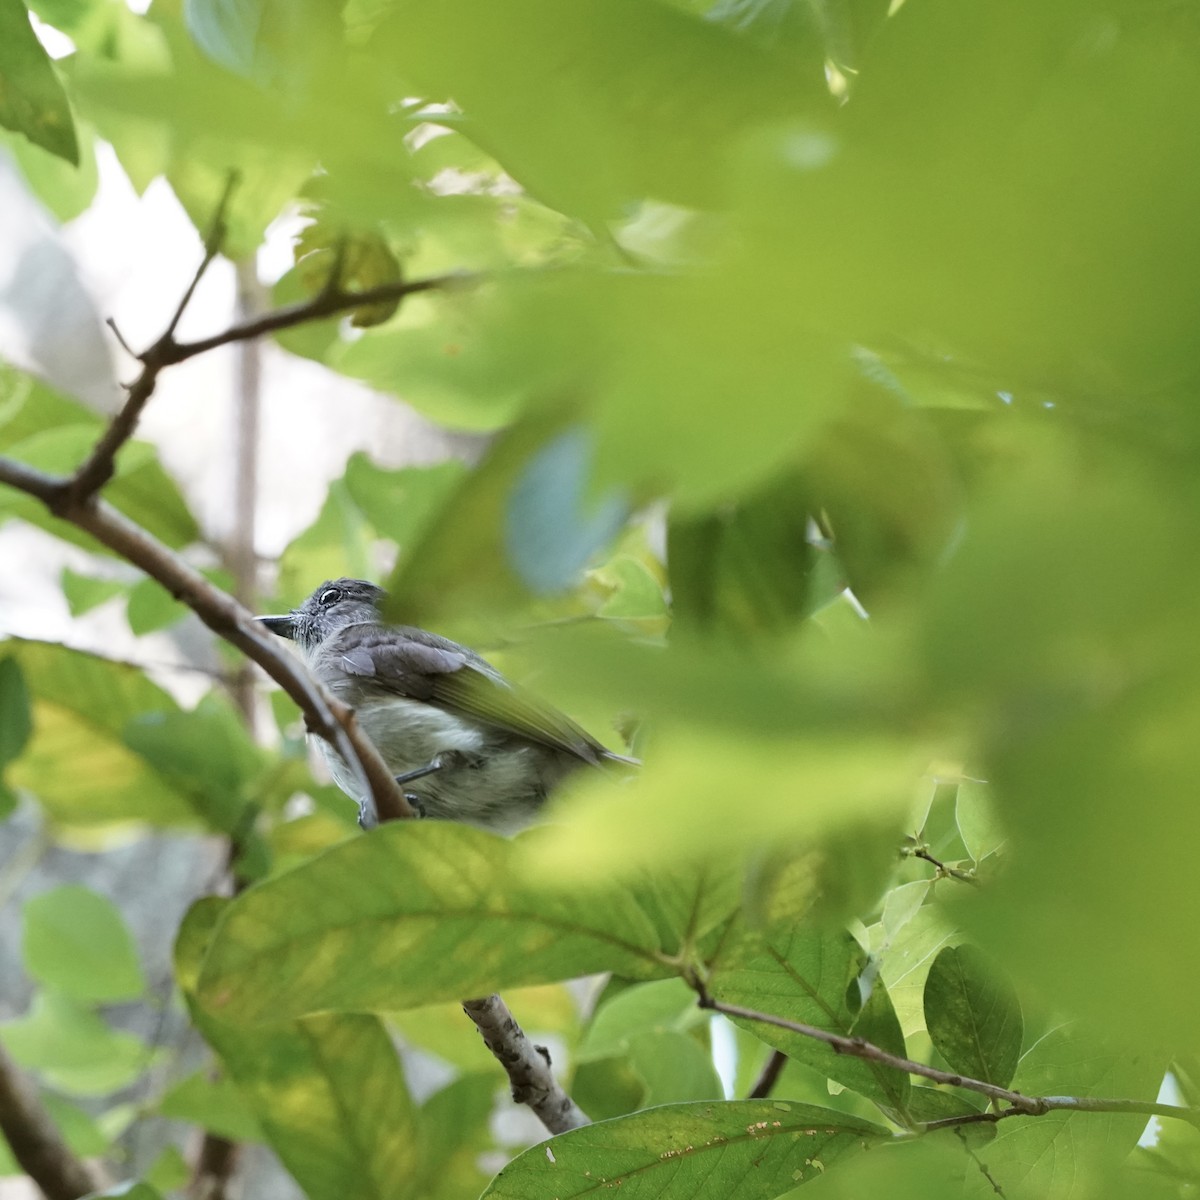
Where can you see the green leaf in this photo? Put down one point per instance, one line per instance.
(133, 1190)
(327, 1091)
(1070, 1155)
(141, 489)
(337, 543)
(743, 1150)
(151, 607)
(462, 563)
(434, 357)
(663, 1005)
(215, 1105)
(533, 84)
(73, 1049)
(675, 1068)
(676, 808)
(84, 592)
(169, 1172)
(401, 504)
(79, 762)
(446, 902)
(32, 100)
(906, 955)
(746, 569)
(816, 978)
(973, 1015)
(206, 752)
(978, 823)
(64, 188)
(550, 531)
(454, 1135)
(635, 592)
(330, 1098)
(76, 941)
(16, 724)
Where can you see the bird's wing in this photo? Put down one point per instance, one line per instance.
(422, 666)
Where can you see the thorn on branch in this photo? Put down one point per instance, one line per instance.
(121, 341)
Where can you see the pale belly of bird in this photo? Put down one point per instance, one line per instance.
(489, 779)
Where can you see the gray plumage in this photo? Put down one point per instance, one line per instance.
(423, 700)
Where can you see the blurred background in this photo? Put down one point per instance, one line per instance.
(806, 395)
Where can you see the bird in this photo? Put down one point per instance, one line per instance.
(472, 746)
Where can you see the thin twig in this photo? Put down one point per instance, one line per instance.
(97, 469)
(324, 714)
(769, 1077)
(35, 1141)
(528, 1066)
(1146, 1108)
(325, 304)
(213, 242)
(943, 869)
(1020, 1104)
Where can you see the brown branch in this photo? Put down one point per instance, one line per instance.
(75, 500)
(35, 1141)
(528, 1066)
(324, 715)
(769, 1077)
(1019, 1104)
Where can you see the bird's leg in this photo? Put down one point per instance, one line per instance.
(435, 764)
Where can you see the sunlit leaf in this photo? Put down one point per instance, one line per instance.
(81, 762)
(416, 912)
(328, 1091)
(741, 1151)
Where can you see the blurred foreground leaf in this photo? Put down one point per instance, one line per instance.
(32, 100)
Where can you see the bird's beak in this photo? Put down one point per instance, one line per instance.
(285, 625)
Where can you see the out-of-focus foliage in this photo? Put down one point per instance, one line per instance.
(842, 365)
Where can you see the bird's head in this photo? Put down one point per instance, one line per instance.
(336, 603)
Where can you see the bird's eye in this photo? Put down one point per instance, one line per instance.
(330, 596)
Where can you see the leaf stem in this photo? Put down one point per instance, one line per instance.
(1019, 1104)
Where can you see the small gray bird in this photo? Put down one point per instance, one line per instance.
(484, 751)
